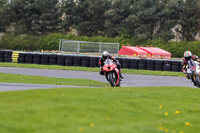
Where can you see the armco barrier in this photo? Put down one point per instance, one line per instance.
(91, 61)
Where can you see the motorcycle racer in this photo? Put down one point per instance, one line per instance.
(106, 55)
(188, 57)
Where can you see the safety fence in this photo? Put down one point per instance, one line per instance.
(90, 61)
(87, 47)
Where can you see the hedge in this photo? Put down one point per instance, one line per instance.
(51, 41)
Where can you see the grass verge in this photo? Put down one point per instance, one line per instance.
(127, 71)
(17, 78)
(101, 110)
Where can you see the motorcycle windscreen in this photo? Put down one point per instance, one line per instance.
(108, 61)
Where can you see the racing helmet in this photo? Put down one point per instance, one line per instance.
(187, 55)
(105, 54)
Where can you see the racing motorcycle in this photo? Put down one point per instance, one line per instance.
(193, 70)
(111, 73)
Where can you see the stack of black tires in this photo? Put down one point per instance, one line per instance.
(6, 55)
(58, 59)
(150, 64)
(90, 61)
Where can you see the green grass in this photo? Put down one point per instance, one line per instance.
(101, 110)
(17, 78)
(127, 71)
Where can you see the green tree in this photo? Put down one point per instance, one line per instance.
(68, 9)
(21, 15)
(2, 6)
(33, 16)
(86, 16)
(50, 17)
(188, 18)
(116, 16)
(167, 14)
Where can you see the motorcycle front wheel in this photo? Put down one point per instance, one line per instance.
(110, 79)
(197, 80)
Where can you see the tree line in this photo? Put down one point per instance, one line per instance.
(140, 19)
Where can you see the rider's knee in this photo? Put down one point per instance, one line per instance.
(187, 76)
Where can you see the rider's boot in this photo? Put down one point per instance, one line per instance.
(194, 83)
(121, 75)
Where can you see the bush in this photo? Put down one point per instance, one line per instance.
(51, 42)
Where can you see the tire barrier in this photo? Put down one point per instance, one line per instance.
(37, 58)
(175, 66)
(29, 58)
(77, 61)
(15, 56)
(159, 65)
(45, 59)
(134, 63)
(90, 61)
(167, 66)
(150, 64)
(85, 62)
(8, 56)
(142, 64)
(126, 63)
(2, 55)
(53, 59)
(94, 62)
(61, 60)
(69, 61)
(21, 58)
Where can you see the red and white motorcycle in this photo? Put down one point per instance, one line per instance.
(111, 72)
(193, 70)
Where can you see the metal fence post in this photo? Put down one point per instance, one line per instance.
(118, 48)
(59, 44)
(78, 46)
(61, 47)
(99, 47)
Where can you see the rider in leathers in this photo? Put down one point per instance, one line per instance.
(187, 56)
(106, 55)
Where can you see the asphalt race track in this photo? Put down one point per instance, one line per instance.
(129, 79)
